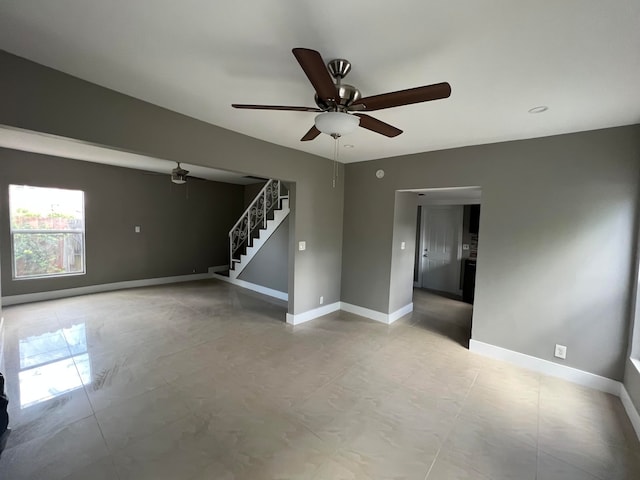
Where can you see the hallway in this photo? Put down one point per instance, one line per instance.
(442, 315)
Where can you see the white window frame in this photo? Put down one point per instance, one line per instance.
(13, 231)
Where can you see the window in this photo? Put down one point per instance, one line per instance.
(47, 231)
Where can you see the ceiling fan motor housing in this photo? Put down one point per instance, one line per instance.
(347, 94)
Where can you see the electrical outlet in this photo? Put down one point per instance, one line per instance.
(561, 351)
(137, 228)
(403, 245)
(302, 246)
(321, 300)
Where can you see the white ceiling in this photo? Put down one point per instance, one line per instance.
(501, 57)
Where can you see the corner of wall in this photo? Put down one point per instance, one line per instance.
(297, 319)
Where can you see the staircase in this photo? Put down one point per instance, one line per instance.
(259, 221)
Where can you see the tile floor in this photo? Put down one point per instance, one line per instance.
(203, 380)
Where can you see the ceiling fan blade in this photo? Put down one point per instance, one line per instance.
(275, 107)
(404, 97)
(378, 126)
(311, 134)
(317, 73)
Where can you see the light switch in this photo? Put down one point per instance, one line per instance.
(137, 228)
(302, 246)
(403, 245)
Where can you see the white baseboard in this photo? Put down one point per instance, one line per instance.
(252, 286)
(401, 312)
(365, 312)
(386, 318)
(570, 374)
(631, 410)
(105, 287)
(218, 268)
(297, 319)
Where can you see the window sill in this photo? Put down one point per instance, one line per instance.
(43, 277)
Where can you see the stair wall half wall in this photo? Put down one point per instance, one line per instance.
(270, 265)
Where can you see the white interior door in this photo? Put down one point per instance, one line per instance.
(442, 247)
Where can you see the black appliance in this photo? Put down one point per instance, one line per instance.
(469, 280)
(474, 219)
(4, 416)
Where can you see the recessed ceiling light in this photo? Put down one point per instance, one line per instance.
(540, 109)
(348, 146)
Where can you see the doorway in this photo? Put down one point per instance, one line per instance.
(447, 228)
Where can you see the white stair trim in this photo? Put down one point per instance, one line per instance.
(272, 225)
(253, 286)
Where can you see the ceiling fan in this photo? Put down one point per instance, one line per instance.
(340, 105)
(179, 175)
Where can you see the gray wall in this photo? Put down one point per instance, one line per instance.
(269, 267)
(250, 193)
(632, 372)
(37, 98)
(183, 227)
(402, 260)
(556, 244)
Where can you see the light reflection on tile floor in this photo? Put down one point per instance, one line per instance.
(204, 381)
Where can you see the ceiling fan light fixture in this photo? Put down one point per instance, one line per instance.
(178, 178)
(336, 123)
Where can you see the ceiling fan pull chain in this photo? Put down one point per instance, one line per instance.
(337, 156)
(335, 160)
